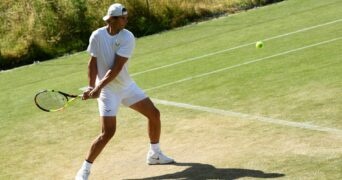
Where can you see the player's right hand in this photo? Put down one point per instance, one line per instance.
(86, 95)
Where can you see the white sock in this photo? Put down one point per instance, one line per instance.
(155, 147)
(86, 165)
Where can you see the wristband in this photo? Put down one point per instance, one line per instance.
(89, 88)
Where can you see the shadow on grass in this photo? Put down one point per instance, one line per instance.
(200, 171)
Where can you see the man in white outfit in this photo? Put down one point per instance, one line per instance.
(110, 48)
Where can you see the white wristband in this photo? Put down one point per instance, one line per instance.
(89, 88)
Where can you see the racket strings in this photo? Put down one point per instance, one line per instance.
(51, 100)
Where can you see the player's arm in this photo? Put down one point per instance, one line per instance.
(110, 75)
(92, 73)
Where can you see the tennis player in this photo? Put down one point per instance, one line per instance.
(110, 48)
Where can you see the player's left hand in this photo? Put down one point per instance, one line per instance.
(95, 93)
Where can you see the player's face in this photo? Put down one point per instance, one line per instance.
(123, 20)
(119, 21)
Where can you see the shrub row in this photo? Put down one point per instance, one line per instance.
(38, 30)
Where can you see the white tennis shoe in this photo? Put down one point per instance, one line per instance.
(158, 158)
(82, 174)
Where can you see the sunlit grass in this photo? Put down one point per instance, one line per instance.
(302, 86)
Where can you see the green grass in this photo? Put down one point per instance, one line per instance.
(302, 86)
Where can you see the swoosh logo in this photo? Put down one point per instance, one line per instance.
(155, 158)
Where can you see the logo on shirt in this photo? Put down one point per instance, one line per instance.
(116, 45)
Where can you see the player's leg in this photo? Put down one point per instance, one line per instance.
(136, 99)
(108, 106)
(108, 131)
(147, 108)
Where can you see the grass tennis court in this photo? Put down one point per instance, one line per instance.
(223, 100)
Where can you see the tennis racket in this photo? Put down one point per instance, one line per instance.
(52, 100)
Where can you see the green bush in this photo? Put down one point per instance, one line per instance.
(38, 30)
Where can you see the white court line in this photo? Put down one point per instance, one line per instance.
(248, 116)
(242, 64)
(237, 47)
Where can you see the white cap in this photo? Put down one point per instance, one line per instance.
(115, 10)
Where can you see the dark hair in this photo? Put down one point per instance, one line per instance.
(124, 10)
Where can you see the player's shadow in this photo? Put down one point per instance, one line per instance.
(200, 171)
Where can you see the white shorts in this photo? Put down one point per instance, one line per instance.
(110, 101)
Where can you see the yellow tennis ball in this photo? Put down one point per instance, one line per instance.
(259, 44)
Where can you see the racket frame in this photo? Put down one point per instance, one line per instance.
(69, 98)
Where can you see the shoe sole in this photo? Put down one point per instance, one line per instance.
(151, 163)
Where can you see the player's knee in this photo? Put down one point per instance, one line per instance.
(107, 135)
(155, 114)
